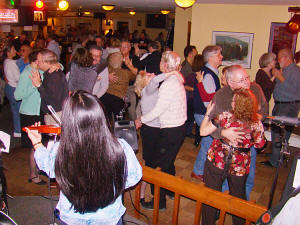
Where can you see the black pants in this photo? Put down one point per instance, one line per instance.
(28, 120)
(112, 104)
(213, 179)
(151, 146)
(150, 142)
(170, 143)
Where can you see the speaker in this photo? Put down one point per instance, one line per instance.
(126, 129)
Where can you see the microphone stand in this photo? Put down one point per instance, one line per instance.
(284, 151)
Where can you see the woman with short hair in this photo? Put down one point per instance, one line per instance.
(264, 76)
(91, 166)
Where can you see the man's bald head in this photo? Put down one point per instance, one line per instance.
(237, 77)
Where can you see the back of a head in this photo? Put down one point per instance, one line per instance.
(171, 59)
(90, 166)
(245, 105)
(187, 50)
(209, 51)
(154, 45)
(33, 55)
(82, 57)
(48, 56)
(198, 63)
(115, 60)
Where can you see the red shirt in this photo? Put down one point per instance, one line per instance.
(240, 164)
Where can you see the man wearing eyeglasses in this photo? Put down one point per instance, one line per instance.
(237, 77)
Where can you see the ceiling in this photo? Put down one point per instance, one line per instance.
(150, 5)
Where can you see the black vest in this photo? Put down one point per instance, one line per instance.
(199, 106)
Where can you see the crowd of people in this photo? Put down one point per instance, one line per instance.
(166, 98)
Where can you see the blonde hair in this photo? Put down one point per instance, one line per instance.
(115, 60)
(141, 82)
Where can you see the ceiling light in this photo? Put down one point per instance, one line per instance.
(132, 13)
(39, 5)
(184, 3)
(108, 7)
(293, 25)
(164, 11)
(87, 13)
(63, 5)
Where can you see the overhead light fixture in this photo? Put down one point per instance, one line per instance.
(293, 25)
(164, 11)
(185, 3)
(132, 12)
(108, 7)
(87, 13)
(63, 5)
(39, 5)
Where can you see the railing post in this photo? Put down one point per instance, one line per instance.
(156, 204)
(137, 205)
(176, 209)
(198, 211)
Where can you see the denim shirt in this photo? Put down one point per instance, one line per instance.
(111, 214)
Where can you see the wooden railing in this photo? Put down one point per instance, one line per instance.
(198, 192)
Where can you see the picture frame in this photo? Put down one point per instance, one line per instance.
(236, 47)
(281, 38)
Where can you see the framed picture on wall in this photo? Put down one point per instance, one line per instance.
(281, 38)
(236, 47)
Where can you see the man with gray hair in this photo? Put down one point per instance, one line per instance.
(54, 88)
(170, 109)
(208, 84)
(237, 77)
(287, 100)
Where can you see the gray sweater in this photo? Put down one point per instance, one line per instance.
(150, 96)
(81, 78)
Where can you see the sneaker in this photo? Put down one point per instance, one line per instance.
(16, 135)
(150, 205)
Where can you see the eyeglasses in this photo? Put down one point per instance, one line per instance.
(245, 79)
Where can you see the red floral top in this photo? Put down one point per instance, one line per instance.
(240, 164)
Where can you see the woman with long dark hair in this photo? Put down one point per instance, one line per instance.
(12, 75)
(231, 160)
(91, 166)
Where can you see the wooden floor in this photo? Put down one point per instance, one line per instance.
(17, 172)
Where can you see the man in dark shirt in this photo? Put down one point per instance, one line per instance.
(152, 61)
(54, 88)
(190, 52)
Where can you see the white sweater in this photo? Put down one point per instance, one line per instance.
(170, 107)
(12, 72)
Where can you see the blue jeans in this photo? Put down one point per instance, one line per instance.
(204, 146)
(14, 107)
(250, 178)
